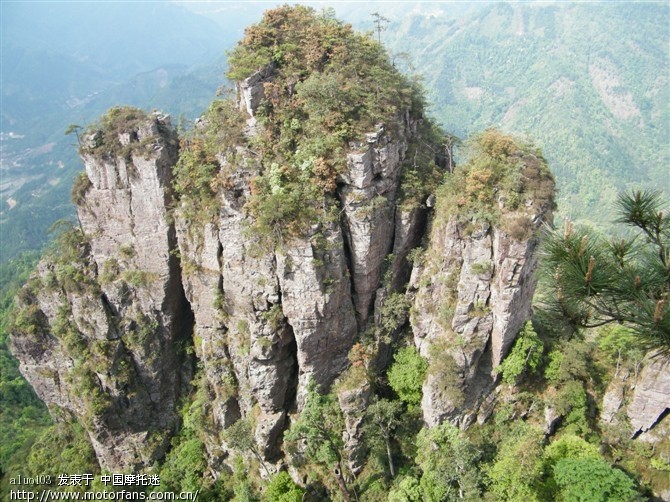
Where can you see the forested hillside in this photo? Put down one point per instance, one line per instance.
(589, 82)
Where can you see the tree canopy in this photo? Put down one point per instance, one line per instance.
(624, 279)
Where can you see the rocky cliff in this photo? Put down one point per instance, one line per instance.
(268, 323)
(110, 322)
(474, 285)
(642, 395)
(262, 246)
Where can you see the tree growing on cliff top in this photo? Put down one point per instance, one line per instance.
(325, 87)
(624, 280)
(316, 436)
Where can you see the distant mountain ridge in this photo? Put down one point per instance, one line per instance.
(67, 63)
(588, 82)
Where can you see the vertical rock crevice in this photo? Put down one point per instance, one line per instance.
(113, 304)
(475, 285)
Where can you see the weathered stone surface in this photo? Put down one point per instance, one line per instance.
(368, 195)
(106, 352)
(317, 303)
(615, 396)
(287, 317)
(353, 403)
(473, 295)
(551, 420)
(251, 92)
(651, 395)
(246, 347)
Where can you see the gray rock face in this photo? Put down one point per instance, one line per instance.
(614, 397)
(282, 319)
(112, 316)
(368, 195)
(251, 92)
(643, 397)
(287, 317)
(473, 294)
(353, 403)
(245, 345)
(651, 396)
(268, 322)
(317, 303)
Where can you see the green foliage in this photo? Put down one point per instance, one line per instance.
(572, 404)
(618, 342)
(568, 446)
(500, 171)
(319, 428)
(446, 371)
(383, 417)
(482, 268)
(449, 465)
(406, 375)
(592, 480)
(138, 278)
(569, 360)
(421, 176)
(282, 488)
(140, 331)
(595, 282)
(240, 435)
(79, 188)
(394, 312)
(274, 316)
(315, 439)
(104, 135)
(660, 464)
(416, 256)
(22, 415)
(329, 87)
(126, 251)
(73, 129)
(353, 378)
(525, 356)
(109, 272)
(406, 490)
(516, 471)
(317, 103)
(62, 448)
(302, 43)
(184, 466)
(281, 210)
(206, 161)
(69, 256)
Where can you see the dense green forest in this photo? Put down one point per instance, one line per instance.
(588, 82)
(598, 108)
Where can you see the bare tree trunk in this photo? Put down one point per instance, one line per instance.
(390, 457)
(342, 485)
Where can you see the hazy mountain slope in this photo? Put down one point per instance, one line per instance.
(117, 37)
(38, 169)
(67, 63)
(589, 82)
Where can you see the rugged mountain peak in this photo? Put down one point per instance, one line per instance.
(475, 282)
(283, 253)
(110, 305)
